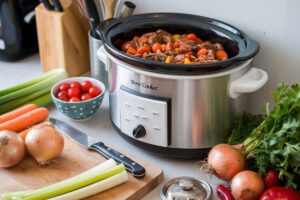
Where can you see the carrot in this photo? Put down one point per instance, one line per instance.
(26, 120)
(17, 112)
(221, 55)
(23, 133)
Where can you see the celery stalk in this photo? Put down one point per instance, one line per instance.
(92, 176)
(67, 185)
(24, 100)
(42, 101)
(49, 81)
(31, 82)
(94, 188)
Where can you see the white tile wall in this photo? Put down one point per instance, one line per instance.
(275, 24)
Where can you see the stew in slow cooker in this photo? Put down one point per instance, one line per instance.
(174, 48)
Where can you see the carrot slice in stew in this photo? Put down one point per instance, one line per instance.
(131, 51)
(221, 55)
(191, 36)
(202, 52)
(155, 47)
(143, 49)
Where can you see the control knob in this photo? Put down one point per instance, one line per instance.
(139, 131)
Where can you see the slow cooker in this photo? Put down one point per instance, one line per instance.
(177, 110)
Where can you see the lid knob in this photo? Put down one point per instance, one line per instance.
(186, 184)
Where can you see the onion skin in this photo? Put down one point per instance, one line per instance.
(44, 143)
(247, 185)
(12, 149)
(225, 161)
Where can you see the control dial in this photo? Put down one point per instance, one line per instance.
(139, 131)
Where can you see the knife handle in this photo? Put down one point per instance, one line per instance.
(137, 170)
(57, 6)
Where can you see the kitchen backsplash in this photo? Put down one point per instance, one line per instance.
(274, 24)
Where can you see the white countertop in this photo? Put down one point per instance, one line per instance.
(100, 127)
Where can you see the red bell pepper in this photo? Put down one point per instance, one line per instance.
(280, 193)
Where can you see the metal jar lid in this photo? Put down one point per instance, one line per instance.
(186, 188)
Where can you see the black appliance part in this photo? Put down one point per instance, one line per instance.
(238, 45)
(18, 38)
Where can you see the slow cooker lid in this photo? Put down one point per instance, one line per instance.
(237, 44)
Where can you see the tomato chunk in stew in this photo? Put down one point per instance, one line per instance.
(174, 48)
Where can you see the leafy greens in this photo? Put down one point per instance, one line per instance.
(275, 142)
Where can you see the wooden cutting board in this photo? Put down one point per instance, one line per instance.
(74, 160)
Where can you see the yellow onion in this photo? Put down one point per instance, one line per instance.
(247, 185)
(44, 143)
(12, 148)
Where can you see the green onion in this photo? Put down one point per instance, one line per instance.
(101, 172)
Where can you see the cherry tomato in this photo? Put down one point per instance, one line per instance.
(62, 93)
(143, 49)
(221, 55)
(86, 85)
(63, 98)
(95, 91)
(74, 99)
(202, 52)
(188, 56)
(271, 178)
(86, 97)
(155, 47)
(75, 84)
(74, 92)
(191, 36)
(64, 86)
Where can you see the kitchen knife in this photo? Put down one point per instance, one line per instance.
(93, 16)
(47, 4)
(88, 142)
(57, 6)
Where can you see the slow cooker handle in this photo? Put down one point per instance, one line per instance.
(252, 81)
(102, 56)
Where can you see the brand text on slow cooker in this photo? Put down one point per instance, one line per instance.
(144, 85)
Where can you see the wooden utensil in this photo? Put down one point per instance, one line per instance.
(74, 160)
(63, 38)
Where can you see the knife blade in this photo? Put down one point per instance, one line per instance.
(89, 143)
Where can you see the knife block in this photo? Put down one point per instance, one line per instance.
(63, 38)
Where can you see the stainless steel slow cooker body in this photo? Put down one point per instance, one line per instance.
(177, 113)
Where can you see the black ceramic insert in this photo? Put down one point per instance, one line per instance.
(238, 45)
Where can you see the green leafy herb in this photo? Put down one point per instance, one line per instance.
(243, 126)
(275, 142)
